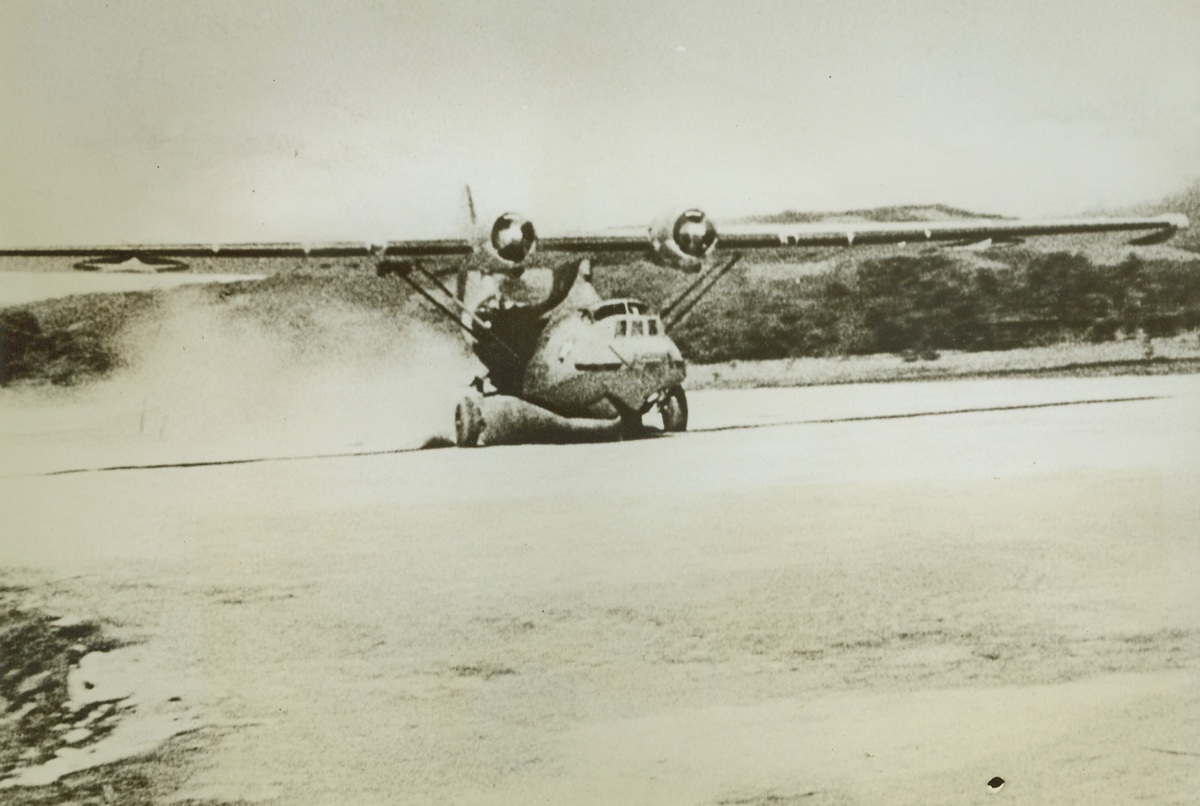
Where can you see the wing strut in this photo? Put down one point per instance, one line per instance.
(404, 269)
(676, 311)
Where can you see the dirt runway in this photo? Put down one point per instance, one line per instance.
(843, 603)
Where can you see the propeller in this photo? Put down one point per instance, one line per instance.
(473, 221)
(513, 239)
(686, 241)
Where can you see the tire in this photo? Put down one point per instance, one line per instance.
(674, 410)
(468, 422)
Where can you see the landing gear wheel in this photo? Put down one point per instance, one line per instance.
(674, 410)
(468, 422)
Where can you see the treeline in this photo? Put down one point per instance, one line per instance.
(917, 305)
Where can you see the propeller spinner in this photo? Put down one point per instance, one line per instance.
(687, 240)
(513, 240)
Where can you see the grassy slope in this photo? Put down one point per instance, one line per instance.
(77, 339)
(861, 302)
(66, 340)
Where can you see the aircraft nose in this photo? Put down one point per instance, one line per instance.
(658, 351)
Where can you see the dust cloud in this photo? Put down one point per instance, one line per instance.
(211, 382)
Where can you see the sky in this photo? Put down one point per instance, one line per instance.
(218, 121)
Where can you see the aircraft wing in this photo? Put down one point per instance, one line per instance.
(692, 237)
(412, 248)
(605, 243)
(687, 240)
(768, 236)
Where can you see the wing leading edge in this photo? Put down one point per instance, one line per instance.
(692, 237)
(858, 234)
(736, 237)
(419, 248)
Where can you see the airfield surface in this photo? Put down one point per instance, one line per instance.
(816, 598)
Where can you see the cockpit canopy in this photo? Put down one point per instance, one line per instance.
(629, 318)
(618, 307)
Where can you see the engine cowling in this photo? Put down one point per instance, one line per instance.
(686, 241)
(512, 241)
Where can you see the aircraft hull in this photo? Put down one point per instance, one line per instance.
(608, 392)
(576, 371)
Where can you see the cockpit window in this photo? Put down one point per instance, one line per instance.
(652, 326)
(610, 309)
(637, 328)
(618, 308)
(622, 327)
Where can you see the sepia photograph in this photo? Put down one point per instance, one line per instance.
(770, 403)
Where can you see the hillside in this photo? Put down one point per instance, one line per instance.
(899, 213)
(1186, 201)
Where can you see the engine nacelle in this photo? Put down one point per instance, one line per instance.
(685, 242)
(512, 241)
